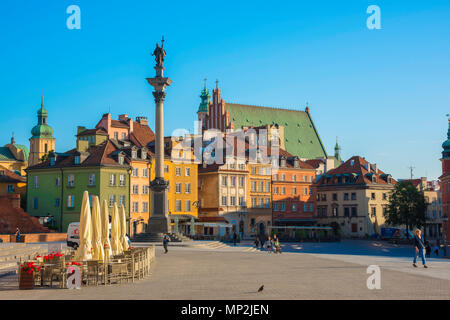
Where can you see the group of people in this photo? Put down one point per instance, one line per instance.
(272, 244)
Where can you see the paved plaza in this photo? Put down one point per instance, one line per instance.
(212, 270)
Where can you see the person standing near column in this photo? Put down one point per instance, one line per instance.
(166, 240)
(419, 246)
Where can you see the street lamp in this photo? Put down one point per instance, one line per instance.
(445, 219)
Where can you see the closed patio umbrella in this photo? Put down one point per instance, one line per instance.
(123, 228)
(97, 230)
(116, 246)
(105, 230)
(84, 251)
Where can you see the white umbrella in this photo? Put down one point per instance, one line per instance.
(116, 246)
(123, 228)
(97, 230)
(105, 230)
(84, 251)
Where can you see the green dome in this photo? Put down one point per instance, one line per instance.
(446, 144)
(42, 131)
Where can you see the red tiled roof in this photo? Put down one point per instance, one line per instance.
(9, 176)
(142, 135)
(356, 167)
(93, 131)
(315, 163)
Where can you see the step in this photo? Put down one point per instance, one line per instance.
(7, 269)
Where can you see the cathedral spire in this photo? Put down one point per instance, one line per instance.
(337, 150)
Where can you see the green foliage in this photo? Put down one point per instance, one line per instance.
(407, 206)
(46, 156)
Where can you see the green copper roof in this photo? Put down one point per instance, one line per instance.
(6, 155)
(42, 130)
(203, 107)
(446, 144)
(300, 134)
(25, 150)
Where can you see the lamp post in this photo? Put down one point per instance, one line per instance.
(445, 219)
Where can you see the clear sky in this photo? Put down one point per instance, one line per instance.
(384, 93)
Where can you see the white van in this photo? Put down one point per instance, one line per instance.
(73, 236)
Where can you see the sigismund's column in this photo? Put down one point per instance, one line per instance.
(159, 222)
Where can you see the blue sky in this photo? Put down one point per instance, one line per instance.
(384, 93)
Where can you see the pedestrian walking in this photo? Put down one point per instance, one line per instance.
(419, 247)
(269, 245)
(18, 235)
(166, 240)
(436, 249)
(256, 242)
(277, 245)
(428, 249)
(234, 238)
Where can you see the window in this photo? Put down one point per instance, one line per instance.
(253, 170)
(112, 200)
(283, 207)
(166, 168)
(305, 191)
(121, 200)
(384, 196)
(135, 189)
(275, 207)
(92, 179)
(253, 202)
(35, 203)
(275, 177)
(77, 159)
(112, 179)
(267, 186)
(135, 172)
(10, 188)
(121, 159)
(334, 196)
(144, 206)
(36, 182)
(187, 188)
(57, 181)
(294, 207)
(294, 177)
(267, 202)
(253, 185)
(187, 205)
(353, 195)
(121, 180)
(57, 202)
(261, 203)
(261, 186)
(346, 212)
(178, 188)
(294, 190)
(310, 179)
(124, 135)
(224, 200)
(135, 206)
(145, 172)
(283, 177)
(71, 201)
(232, 201)
(188, 172)
(116, 135)
(305, 179)
(224, 181)
(71, 180)
(275, 190)
(372, 196)
(305, 207)
(233, 181)
(345, 196)
(324, 196)
(52, 161)
(374, 211)
(145, 189)
(178, 171)
(241, 201)
(177, 205)
(241, 181)
(354, 214)
(283, 190)
(335, 212)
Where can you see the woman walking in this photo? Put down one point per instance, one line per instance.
(269, 245)
(419, 246)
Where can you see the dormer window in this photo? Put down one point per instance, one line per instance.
(134, 154)
(121, 159)
(144, 154)
(374, 179)
(296, 163)
(52, 161)
(77, 160)
(389, 179)
(283, 162)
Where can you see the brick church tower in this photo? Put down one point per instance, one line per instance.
(445, 184)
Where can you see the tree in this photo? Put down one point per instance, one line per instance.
(46, 156)
(407, 206)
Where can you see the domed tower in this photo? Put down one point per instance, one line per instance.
(203, 108)
(445, 185)
(41, 141)
(337, 151)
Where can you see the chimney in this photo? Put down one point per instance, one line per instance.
(123, 117)
(80, 129)
(142, 121)
(82, 145)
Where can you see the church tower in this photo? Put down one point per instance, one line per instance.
(202, 112)
(41, 141)
(337, 152)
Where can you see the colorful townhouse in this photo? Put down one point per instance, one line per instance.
(12, 183)
(293, 192)
(55, 187)
(354, 197)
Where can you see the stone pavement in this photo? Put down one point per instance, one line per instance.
(233, 273)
